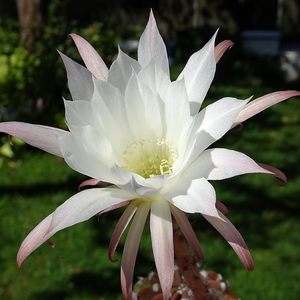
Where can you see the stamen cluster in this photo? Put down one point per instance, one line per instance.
(149, 158)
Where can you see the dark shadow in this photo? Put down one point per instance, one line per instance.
(81, 285)
(71, 184)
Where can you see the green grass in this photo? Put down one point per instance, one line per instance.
(33, 184)
(78, 268)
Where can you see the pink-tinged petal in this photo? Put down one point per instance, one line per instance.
(34, 239)
(90, 182)
(218, 163)
(187, 230)
(76, 209)
(275, 172)
(42, 137)
(86, 204)
(131, 248)
(199, 73)
(256, 106)
(193, 196)
(221, 48)
(161, 229)
(233, 237)
(220, 206)
(79, 79)
(152, 46)
(120, 227)
(113, 207)
(91, 58)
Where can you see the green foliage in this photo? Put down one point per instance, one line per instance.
(32, 184)
(34, 83)
(17, 78)
(9, 35)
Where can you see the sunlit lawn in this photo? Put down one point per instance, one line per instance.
(33, 184)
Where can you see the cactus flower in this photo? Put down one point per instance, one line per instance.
(147, 136)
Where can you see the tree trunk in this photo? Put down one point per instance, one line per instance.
(31, 22)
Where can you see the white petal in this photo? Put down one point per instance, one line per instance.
(162, 243)
(79, 79)
(91, 167)
(133, 183)
(121, 70)
(100, 148)
(103, 134)
(76, 209)
(84, 205)
(81, 113)
(109, 103)
(211, 124)
(217, 163)
(199, 73)
(142, 111)
(42, 137)
(155, 78)
(193, 196)
(77, 157)
(176, 114)
(215, 119)
(151, 46)
(91, 58)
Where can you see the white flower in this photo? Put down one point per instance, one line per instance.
(134, 128)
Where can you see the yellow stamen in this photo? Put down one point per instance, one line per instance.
(149, 158)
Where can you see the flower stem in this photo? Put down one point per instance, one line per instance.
(187, 265)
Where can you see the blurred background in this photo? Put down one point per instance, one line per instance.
(265, 58)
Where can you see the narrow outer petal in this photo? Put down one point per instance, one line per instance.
(89, 182)
(220, 206)
(91, 58)
(33, 239)
(42, 137)
(187, 230)
(120, 227)
(162, 243)
(256, 106)
(76, 209)
(152, 46)
(131, 248)
(233, 237)
(221, 48)
(274, 172)
(113, 207)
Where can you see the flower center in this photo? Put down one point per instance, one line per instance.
(149, 158)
